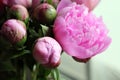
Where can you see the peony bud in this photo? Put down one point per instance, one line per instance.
(35, 3)
(53, 2)
(19, 12)
(47, 52)
(14, 31)
(26, 3)
(45, 13)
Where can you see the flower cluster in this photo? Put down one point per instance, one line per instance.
(34, 33)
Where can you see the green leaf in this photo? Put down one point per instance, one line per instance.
(4, 44)
(45, 29)
(6, 66)
(47, 72)
(49, 1)
(21, 42)
(33, 33)
(20, 54)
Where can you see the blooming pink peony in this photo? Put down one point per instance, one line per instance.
(80, 33)
(47, 52)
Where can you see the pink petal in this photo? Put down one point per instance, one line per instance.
(62, 4)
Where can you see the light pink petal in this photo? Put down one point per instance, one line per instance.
(67, 43)
(91, 4)
(62, 4)
(104, 45)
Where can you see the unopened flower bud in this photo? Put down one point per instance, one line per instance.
(53, 2)
(19, 12)
(14, 31)
(26, 3)
(47, 52)
(45, 13)
(35, 3)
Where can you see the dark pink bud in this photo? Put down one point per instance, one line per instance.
(19, 12)
(45, 13)
(47, 52)
(14, 31)
(35, 3)
(26, 3)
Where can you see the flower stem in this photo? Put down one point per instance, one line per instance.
(35, 71)
(55, 74)
(24, 72)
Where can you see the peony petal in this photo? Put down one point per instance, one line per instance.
(67, 43)
(104, 45)
(62, 4)
(91, 4)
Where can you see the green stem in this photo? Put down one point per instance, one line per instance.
(55, 74)
(24, 72)
(35, 71)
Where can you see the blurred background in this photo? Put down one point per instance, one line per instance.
(105, 66)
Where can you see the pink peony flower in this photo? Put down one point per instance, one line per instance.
(47, 52)
(80, 33)
(26, 3)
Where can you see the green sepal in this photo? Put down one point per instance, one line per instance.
(49, 1)
(21, 42)
(45, 29)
